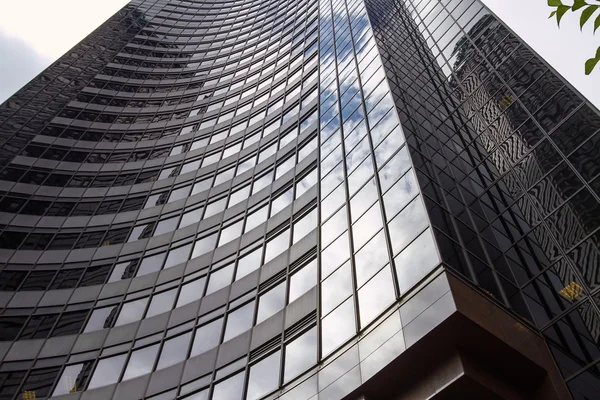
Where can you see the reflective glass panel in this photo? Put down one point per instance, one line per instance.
(277, 245)
(416, 261)
(141, 362)
(98, 320)
(300, 354)
(204, 245)
(107, 371)
(174, 350)
(229, 389)
(132, 311)
(248, 263)
(178, 255)
(371, 258)
(219, 279)
(407, 224)
(303, 280)
(338, 326)
(68, 382)
(207, 337)
(263, 377)
(239, 321)
(336, 288)
(191, 291)
(375, 296)
(161, 303)
(271, 302)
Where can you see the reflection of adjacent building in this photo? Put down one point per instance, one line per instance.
(507, 135)
(491, 129)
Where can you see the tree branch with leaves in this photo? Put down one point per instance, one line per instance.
(588, 10)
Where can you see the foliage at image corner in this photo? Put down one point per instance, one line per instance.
(588, 10)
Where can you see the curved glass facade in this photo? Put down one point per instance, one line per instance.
(271, 198)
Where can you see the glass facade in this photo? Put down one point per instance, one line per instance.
(239, 200)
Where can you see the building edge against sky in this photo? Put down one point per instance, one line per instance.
(299, 200)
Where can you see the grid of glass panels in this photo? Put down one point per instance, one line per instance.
(374, 238)
(227, 208)
(503, 151)
(173, 225)
(222, 191)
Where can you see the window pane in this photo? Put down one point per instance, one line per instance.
(400, 194)
(107, 371)
(191, 217)
(174, 350)
(336, 288)
(399, 164)
(161, 303)
(230, 233)
(229, 389)
(282, 201)
(277, 245)
(256, 218)
(301, 354)
(215, 207)
(191, 291)
(219, 279)
(334, 255)
(338, 326)
(271, 302)
(98, 320)
(363, 200)
(207, 337)
(371, 258)
(248, 263)
(202, 395)
(305, 225)
(166, 225)
(303, 280)
(151, 264)
(334, 227)
(204, 245)
(375, 296)
(132, 311)
(70, 380)
(141, 362)
(416, 261)
(263, 377)
(239, 321)
(411, 221)
(366, 227)
(178, 255)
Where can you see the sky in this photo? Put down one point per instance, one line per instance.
(34, 33)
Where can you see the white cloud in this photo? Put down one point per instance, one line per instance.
(45, 30)
(53, 27)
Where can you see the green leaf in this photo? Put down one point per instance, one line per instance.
(560, 11)
(590, 65)
(554, 3)
(552, 14)
(586, 14)
(578, 4)
(592, 62)
(597, 23)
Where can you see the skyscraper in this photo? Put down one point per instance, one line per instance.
(243, 200)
